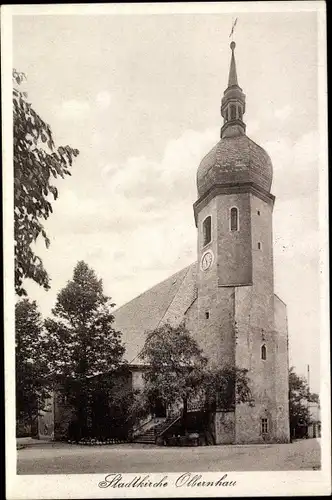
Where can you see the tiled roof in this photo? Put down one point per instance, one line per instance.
(167, 301)
(234, 160)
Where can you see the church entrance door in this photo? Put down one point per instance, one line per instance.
(159, 409)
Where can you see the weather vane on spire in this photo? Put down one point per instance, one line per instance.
(232, 30)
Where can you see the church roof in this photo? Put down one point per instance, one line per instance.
(235, 160)
(166, 301)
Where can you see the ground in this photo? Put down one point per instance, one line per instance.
(61, 458)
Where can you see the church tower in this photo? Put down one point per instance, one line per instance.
(240, 322)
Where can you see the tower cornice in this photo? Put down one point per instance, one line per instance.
(232, 188)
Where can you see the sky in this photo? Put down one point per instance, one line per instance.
(139, 96)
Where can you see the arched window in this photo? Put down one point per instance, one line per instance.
(207, 230)
(233, 112)
(263, 352)
(234, 222)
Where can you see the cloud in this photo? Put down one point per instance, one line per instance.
(103, 99)
(73, 109)
(170, 179)
(96, 138)
(284, 112)
(295, 164)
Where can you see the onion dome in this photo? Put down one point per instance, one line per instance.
(235, 159)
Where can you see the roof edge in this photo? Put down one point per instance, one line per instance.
(154, 286)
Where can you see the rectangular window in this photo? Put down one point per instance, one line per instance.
(234, 219)
(207, 314)
(259, 245)
(207, 230)
(264, 426)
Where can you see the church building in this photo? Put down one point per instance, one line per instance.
(226, 297)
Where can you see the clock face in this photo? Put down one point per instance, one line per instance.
(206, 260)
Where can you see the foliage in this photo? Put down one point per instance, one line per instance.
(175, 364)
(224, 387)
(139, 407)
(32, 364)
(85, 344)
(299, 399)
(178, 373)
(36, 162)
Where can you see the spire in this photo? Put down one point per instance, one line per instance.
(233, 103)
(232, 79)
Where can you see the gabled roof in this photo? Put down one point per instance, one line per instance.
(167, 301)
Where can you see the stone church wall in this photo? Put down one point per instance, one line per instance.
(261, 372)
(258, 324)
(282, 367)
(234, 247)
(254, 316)
(215, 334)
(224, 422)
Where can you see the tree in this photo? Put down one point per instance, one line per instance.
(178, 372)
(36, 162)
(32, 364)
(175, 367)
(299, 399)
(224, 387)
(88, 349)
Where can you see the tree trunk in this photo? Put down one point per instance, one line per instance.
(81, 411)
(184, 416)
(208, 424)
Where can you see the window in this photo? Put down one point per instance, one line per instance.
(263, 352)
(259, 245)
(234, 225)
(207, 231)
(233, 111)
(258, 212)
(207, 314)
(264, 426)
(62, 399)
(240, 112)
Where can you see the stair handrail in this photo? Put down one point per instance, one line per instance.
(141, 425)
(174, 418)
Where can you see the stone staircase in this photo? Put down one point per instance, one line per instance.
(147, 437)
(150, 435)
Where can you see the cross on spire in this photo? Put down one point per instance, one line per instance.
(233, 28)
